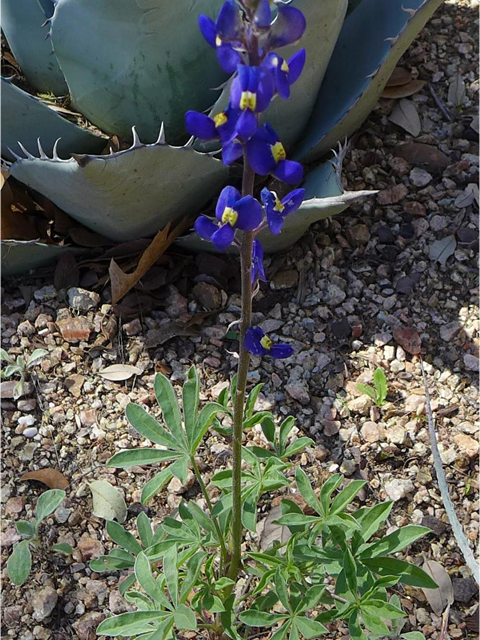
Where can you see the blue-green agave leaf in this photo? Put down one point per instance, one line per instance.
(289, 117)
(374, 36)
(128, 194)
(19, 256)
(23, 23)
(136, 62)
(25, 118)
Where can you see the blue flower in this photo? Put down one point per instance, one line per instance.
(257, 343)
(266, 154)
(263, 15)
(277, 210)
(251, 92)
(223, 125)
(258, 272)
(288, 27)
(225, 35)
(233, 212)
(285, 73)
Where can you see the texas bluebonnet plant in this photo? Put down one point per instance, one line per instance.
(325, 558)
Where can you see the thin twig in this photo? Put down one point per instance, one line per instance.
(440, 103)
(443, 486)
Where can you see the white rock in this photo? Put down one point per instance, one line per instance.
(44, 602)
(82, 300)
(398, 488)
(30, 432)
(360, 405)
(396, 434)
(419, 177)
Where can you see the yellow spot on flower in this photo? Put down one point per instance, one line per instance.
(266, 342)
(285, 67)
(248, 100)
(278, 151)
(275, 61)
(219, 119)
(278, 205)
(229, 216)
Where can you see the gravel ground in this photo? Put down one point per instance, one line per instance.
(392, 279)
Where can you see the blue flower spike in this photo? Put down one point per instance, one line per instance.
(259, 344)
(258, 272)
(266, 154)
(277, 210)
(225, 35)
(232, 212)
(285, 72)
(251, 93)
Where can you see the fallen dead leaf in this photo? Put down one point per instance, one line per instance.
(408, 339)
(456, 91)
(424, 155)
(403, 91)
(51, 477)
(66, 272)
(399, 77)
(74, 384)
(442, 597)
(442, 249)
(405, 115)
(119, 372)
(273, 532)
(122, 282)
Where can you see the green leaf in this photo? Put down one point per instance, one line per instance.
(413, 635)
(223, 583)
(193, 569)
(149, 428)
(19, 563)
(281, 590)
(254, 618)
(394, 542)
(268, 428)
(131, 624)
(309, 628)
(355, 629)
(205, 419)
(346, 496)
(170, 571)
(179, 468)
(297, 446)
(108, 502)
(328, 488)
(374, 623)
(255, 419)
(167, 400)
(25, 528)
(185, 618)
(124, 538)
(252, 399)
(127, 583)
(139, 457)
(36, 356)
(11, 370)
(296, 519)
(63, 547)
(306, 491)
(156, 484)
(158, 550)
(111, 563)
(143, 573)
(350, 568)
(249, 512)
(144, 528)
(409, 573)
(4, 355)
(285, 428)
(382, 609)
(47, 503)
(380, 382)
(367, 390)
(191, 394)
(371, 518)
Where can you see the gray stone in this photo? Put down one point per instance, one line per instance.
(360, 405)
(86, 626)
(298, 392)
(471, 362)
(333, 295)
(177, 304)
(44, 602)
(371, 431)
(45, 293)
(30, 432)
(450, 330)
(398, 488)
(82, 300)
(396, 434)
(381, 339)
(438, 223)
(419, 177)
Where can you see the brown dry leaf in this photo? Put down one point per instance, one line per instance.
(399, 76)
(405, 115)
(15, 222)
(439, 599)
(119, 372)
(404, 90)
(51, 477)
(272, 532)
(74, 384)
(85, 238)
(122, 282)
(424, 155)
(408, 339)
(157, 337)
(66, 272)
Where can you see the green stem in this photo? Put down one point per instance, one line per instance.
(221, 539)
(244, 361)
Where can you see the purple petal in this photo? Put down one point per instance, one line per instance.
(227, 198)
(247, 125)
(282, 83)
(288, 27)
(258, 271)
(228, 59)
(275, 222)
(232, 152)
(267, 198)
(205, 227)
(295, 65)
(200, 125)
(208, 29)
(263, 14)
(229, 21)
(289, 171)
(251, 342)
(223, 236)
(260, 156)
(266, 89)
(249, 213)
(292, 201)
(280, 351)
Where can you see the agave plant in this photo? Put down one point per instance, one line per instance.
(132, 68)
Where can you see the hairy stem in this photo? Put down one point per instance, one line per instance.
(246, 277)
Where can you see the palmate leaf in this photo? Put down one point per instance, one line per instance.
(131, 624)
(152, 66)
(102, 191)
(408, 573)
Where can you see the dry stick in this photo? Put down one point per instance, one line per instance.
(439, 103)
(443, 486)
